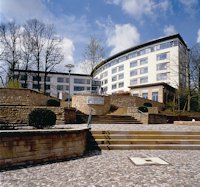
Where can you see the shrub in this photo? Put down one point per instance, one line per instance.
(53, 102)
(147, 104)
(41, 118)
(143, 108)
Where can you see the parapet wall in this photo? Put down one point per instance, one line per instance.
(36, 146)
(132, 101)
(22, 97)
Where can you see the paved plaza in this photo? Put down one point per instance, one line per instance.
(114, 168)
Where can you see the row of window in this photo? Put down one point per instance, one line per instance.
(117, 69)
(118, 85)
(118, 77)
(134, 54)
(154, 96)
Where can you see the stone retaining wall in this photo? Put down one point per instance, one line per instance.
(36, 146)
(132, 101)
(19, 114)
(187, 123)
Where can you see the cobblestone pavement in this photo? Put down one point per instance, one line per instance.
(113, 168)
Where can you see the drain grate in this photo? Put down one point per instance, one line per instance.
(140, 161)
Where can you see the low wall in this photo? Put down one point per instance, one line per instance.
(132, 101)
(157, 119)
(22, 97)
(147, 118)
(80, 103)
(36, 146)
(187, 123)
(19, 114)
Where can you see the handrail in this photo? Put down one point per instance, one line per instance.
(89, 120)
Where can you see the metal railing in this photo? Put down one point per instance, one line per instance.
(89, 120)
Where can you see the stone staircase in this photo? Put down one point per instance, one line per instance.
(114, 119)
(130, 140)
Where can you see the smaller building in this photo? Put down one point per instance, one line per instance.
(58, 84)
(161, 92)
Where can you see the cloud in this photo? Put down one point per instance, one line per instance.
(189, 6)
(198, 36)
(138, 9)
(169, 30)
(122, 37)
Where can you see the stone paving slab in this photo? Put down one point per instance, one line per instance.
(111, 168)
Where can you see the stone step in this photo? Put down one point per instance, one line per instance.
(115, 122)
(119, 136)
(147, 147)
(144, 141)
(112, 132)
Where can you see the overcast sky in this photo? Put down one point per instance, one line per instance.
(119, 24)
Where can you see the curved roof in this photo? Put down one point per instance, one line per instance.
(177, 35)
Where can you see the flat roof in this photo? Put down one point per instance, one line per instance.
(151, 85)
(54, 72)
(151, 42)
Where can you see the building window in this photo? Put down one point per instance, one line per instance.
(133, 82)
(105, 89)
(144, 70)
(162, 66)
(67, 87)
(36, 86)
(120, 76)
(48, 87)
(135, 94)
(121, 68)
(78, 88)
(114, 86)
(87, 81)
(36, 78)
(114, 70)
(143, 80)
(133, 64)
(162, 56)
(133, 73)
(143, 61)
(105, 81)
(48, 79)
(67, 80)
(60, 79)
(88, 88)
(161, 76)
(121, 84)
(121, 59)
(145, 95)
(59, 87)
(132, 55)
(79, 81)
(23, 77)
(114, 78)
(155, 96)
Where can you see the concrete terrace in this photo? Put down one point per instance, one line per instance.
(113, 168)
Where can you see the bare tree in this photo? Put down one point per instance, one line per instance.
(37, 32)
(9, 39)
(52, 53)
(93, 54)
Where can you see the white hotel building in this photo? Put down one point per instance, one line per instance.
(140, 69)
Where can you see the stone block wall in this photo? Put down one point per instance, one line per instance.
(157, 119)
(132, 101)
(80, 103)
(19, 114)
(22, 97)
(36, 146)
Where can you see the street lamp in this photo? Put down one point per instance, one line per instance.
(69, 66)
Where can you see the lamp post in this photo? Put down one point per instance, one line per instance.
(69, 66)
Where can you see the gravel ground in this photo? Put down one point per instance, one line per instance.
(113, 168)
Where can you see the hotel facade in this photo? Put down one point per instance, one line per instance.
(159, 62)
